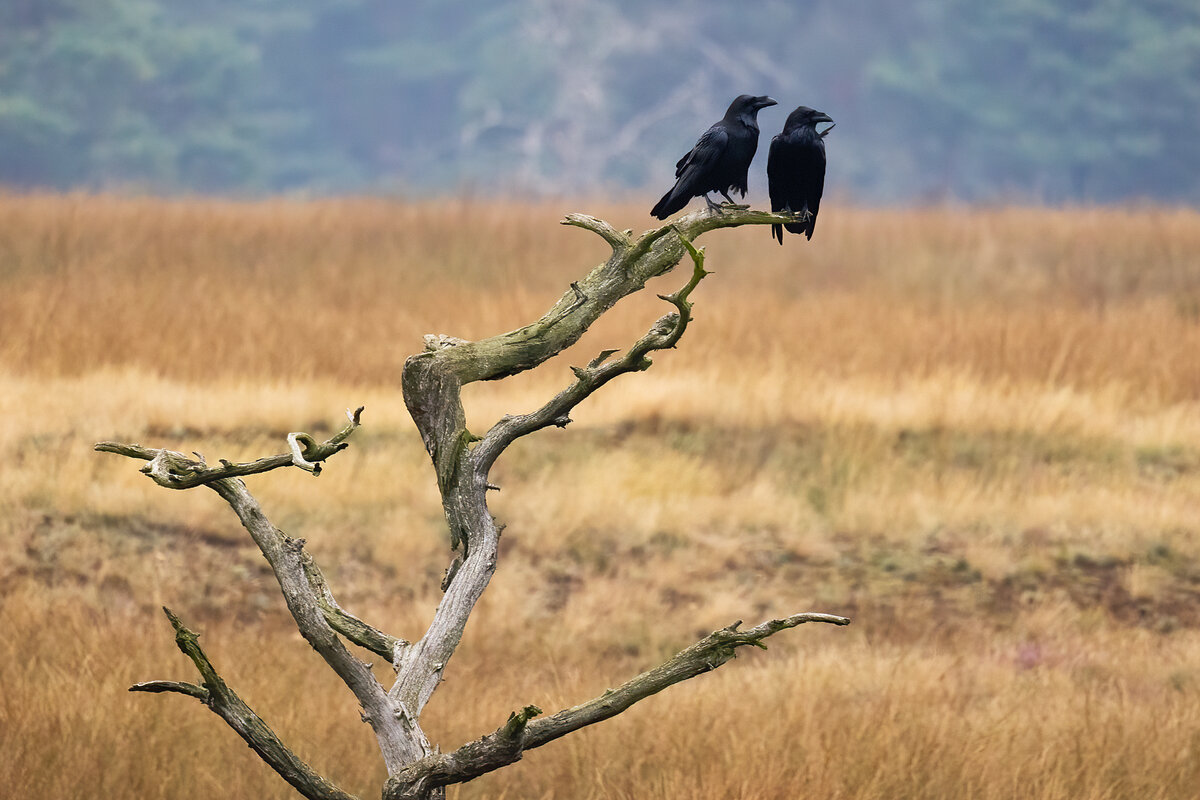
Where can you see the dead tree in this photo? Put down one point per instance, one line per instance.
(432, 384)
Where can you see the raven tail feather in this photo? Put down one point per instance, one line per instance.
(669, 204)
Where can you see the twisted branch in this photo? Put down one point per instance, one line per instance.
(345, 623)
(174, 470)
(663, 335)
(631, 265)
(432, 383)
(521, 732)
(620, 240)
(316, 613)
(226, 704)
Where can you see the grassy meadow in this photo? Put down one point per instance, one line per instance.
(975, 432)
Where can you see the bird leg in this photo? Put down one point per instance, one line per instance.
(713, 207)
(732, 206)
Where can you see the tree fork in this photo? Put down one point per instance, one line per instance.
(432, 383)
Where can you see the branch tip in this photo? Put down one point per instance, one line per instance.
(620, 241)
(603, 356)
(176, 623)
(174, 470)
(180, 687)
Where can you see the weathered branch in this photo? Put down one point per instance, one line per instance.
(486, 754)
(663, 335)
(345, 623)
(619, 240)
(433, 380)
(519, 734)
(399, 738)
(226, 704)
(706, 655)
(432, 383)
(176, 471)
(190, 689)
(654, 253)
(317, 615)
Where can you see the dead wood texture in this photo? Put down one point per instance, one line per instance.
(432, 383)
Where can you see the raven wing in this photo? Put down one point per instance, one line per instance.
(707, 152)
(812, 181)
(694, 172)
(779, 171)
(796, 180)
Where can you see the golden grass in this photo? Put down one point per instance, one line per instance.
(975, 431)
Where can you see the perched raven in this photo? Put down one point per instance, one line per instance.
(720, 160)
(796, 169)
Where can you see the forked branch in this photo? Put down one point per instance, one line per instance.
(519, 734)
(226, 704)
(317, 616)
(432, 383)
(663, 335)
(176, 471)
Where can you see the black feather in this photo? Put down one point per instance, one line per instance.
(720, 161)
(796, 170)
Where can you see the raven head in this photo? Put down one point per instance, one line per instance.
(747, 105)
(804, 116)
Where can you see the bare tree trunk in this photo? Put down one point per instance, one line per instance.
(432, 383)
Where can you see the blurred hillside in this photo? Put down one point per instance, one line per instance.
(1088, 100)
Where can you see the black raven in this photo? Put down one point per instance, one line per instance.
(796, 169)
(720, 160)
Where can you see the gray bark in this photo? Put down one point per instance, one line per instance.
(432, 382)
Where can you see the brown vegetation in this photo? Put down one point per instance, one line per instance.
(977, 433)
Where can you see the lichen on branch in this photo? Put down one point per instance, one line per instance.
(432, 382)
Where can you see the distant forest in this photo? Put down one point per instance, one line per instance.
(1045, 100)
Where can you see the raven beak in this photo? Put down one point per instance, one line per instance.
(763, 102)
(819, 117)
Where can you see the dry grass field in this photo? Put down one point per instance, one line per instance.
(976, 432)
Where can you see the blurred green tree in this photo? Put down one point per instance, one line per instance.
(1058, 100)
(1090, 100)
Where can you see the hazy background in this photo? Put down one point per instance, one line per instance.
(1069, 101)
(974, 430)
